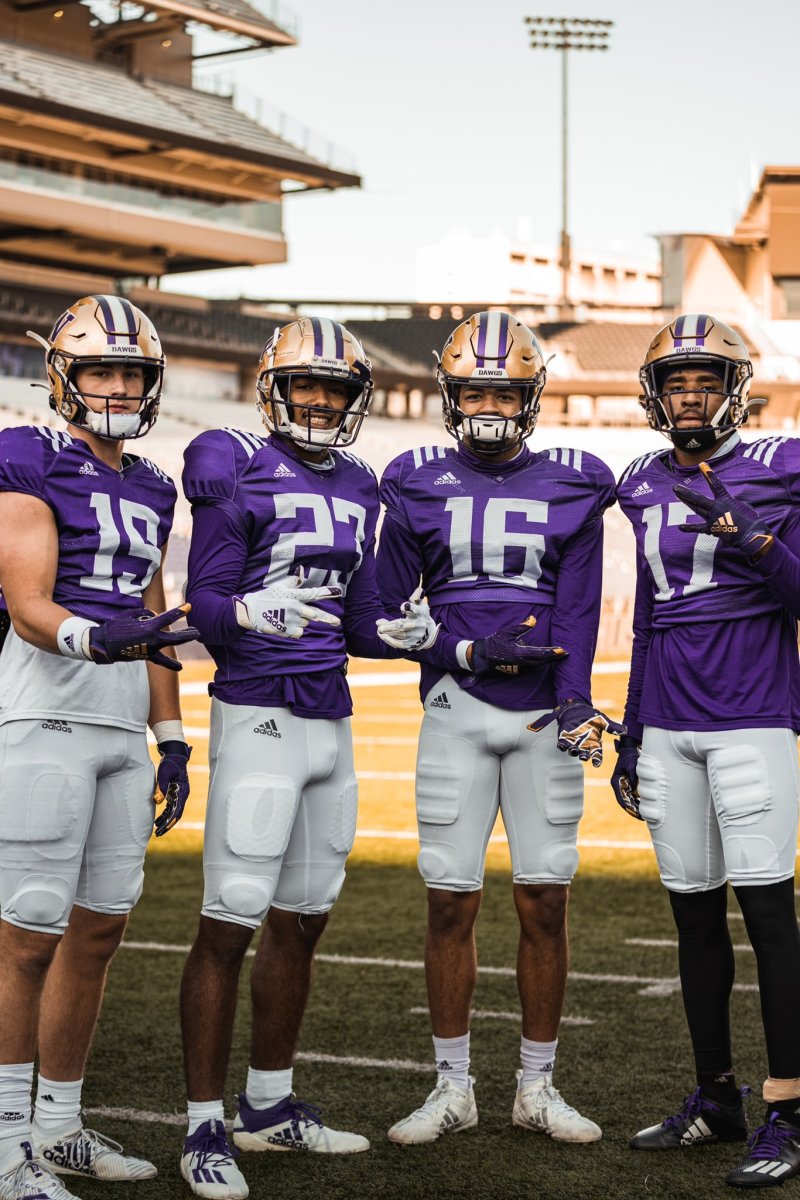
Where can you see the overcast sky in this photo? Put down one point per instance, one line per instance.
(454, 125)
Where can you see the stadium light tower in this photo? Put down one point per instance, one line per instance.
(565, 34)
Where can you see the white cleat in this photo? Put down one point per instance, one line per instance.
(86, 1152)
(291, 1125)
(541, 1107)
(208, 1165)
(32, 1181)
(448, 1109)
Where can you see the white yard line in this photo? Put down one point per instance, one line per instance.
(485, 1014)
(746, 948)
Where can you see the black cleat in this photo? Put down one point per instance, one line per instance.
(773, 1156)
(699, 1121)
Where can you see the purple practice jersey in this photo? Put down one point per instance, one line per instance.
(260, 514)
(715, 636)
(494, 544)
(111, 528)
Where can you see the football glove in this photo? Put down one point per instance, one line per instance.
(725, 517)
(580, 729)
(285, 608)
(172, 784)
(415, 630)
(507, 653)
(625, 779)
(140, 635)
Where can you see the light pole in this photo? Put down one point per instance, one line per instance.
(565, 34)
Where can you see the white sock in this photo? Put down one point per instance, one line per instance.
(58, 1107)
(16, 1085)
(452, 1059)
(537, 1059)
(265, 1088)
(202, 1111)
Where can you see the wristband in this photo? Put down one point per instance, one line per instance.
(168, 731)
(73, 638)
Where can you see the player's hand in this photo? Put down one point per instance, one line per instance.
(580, 729)
(285, 608)
(172, 784)
(625, 778)
(140, 635)
(415, 630)
(507, 653)
(725, 517)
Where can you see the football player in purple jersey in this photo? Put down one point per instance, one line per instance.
(710, 757)
(282, 586)
(85, 528)
(507, 539)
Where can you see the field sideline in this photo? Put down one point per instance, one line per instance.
(365, 1053)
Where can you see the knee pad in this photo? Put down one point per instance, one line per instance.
(41, 902)
(241, 899)
(445, 768)
(260, 814)
(739, 783)
(345, 815)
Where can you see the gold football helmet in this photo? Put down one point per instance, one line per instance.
(322, 349)
(491, 349)
(112, 331)
(694, 341)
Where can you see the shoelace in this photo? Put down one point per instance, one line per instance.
(214, 1150)
(693, 1105)
(84, 1147)
(768, 1140)
(36, 1170)
(309, 1114)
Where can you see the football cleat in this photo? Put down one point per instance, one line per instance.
(448, 1109)
(32, 1181)
(207, 1164)
(291, 1125)
(773, 1156)
(700, 1120)
(86, 1152)
(541, 1107)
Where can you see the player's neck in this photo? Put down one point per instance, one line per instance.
(693, 458)
(109, 452)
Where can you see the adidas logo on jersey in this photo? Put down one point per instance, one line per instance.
(88, 469)
(57, 726)
(448, 477)
(268, 728)
(643, 489)
(441, 701)
(283, 472)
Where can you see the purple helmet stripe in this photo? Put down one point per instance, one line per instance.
(700, 332)
(502, 340)
(317, 327)
(130, 317)
(482, 323)
(105, 309)
(339, 338)
(678, 335)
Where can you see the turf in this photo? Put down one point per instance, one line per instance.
(630, 1068)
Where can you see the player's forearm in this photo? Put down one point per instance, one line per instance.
(36, 619)
(779, 570)
(214, 615)
(165, 704)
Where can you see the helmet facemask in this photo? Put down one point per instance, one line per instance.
(490, 433)
(106, 424)
(660, 407)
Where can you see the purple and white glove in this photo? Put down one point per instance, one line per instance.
(172, 784)
(625, 778)
(580, 729)
(129, 637)
(285, 609)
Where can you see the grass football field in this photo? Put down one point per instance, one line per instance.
(624, 1057)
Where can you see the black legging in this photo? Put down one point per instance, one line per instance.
(705, 960)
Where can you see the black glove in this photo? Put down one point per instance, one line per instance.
(733, 521)
(172, 784)
(508, 653)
